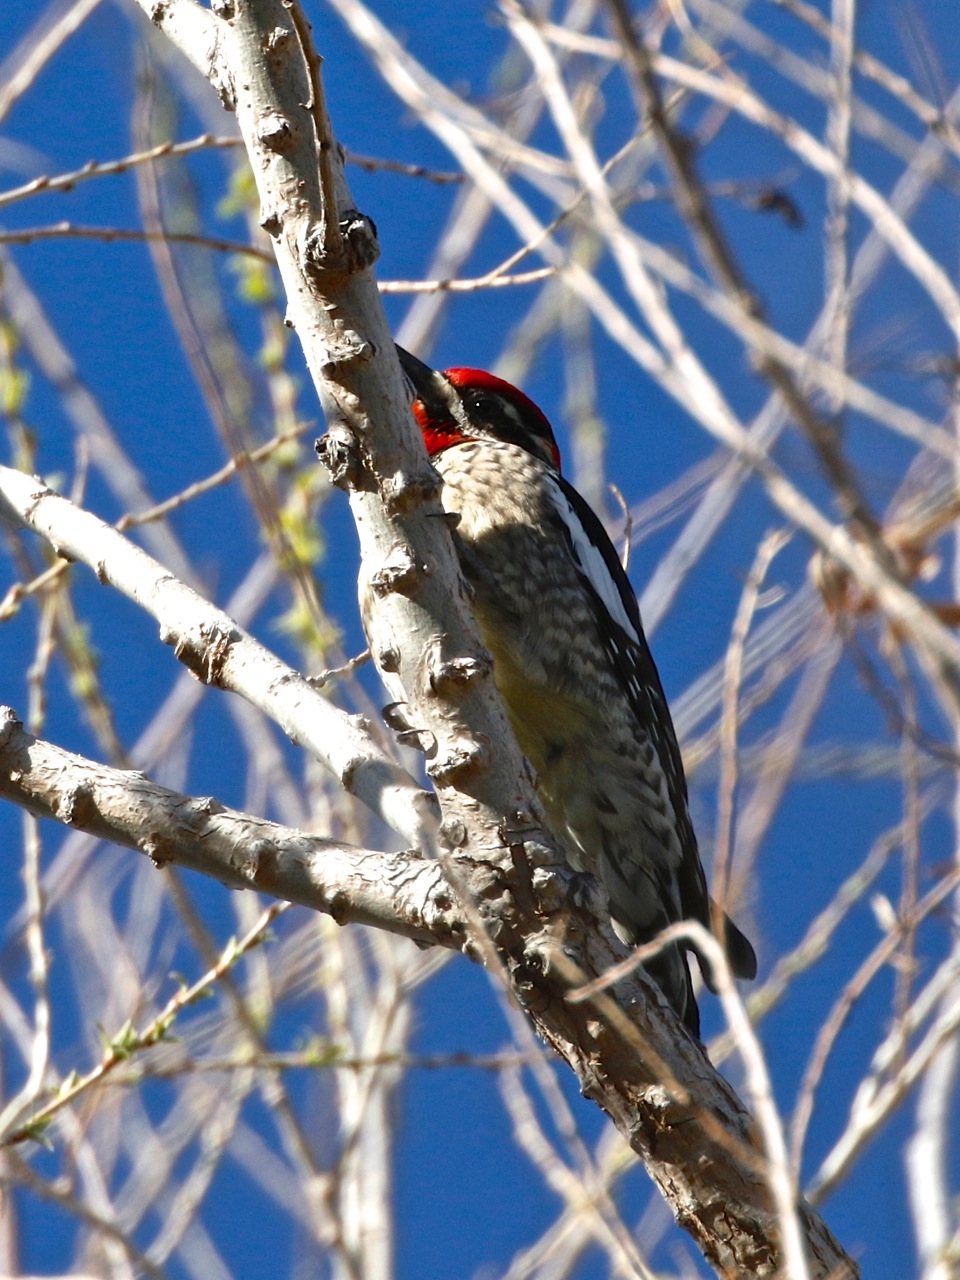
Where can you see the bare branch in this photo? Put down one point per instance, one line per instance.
(220, 653)
(239, 849)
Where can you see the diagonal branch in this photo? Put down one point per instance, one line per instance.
(629, 1053)
(221, 653)
(241, 850)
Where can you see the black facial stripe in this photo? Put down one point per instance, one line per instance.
(503, 420)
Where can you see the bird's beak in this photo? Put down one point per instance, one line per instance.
(420, 377)
(434, 391)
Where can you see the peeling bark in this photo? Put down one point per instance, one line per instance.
(494, 885)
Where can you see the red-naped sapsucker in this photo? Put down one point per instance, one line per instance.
(556, 611)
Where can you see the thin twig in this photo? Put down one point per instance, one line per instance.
(128, 1041)
(770, 546)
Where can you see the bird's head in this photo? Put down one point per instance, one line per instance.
(469, 404)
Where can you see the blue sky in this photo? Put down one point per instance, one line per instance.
(467, 1199)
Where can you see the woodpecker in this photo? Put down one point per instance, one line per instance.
(560, 619)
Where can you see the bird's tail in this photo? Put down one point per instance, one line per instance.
(740, 953)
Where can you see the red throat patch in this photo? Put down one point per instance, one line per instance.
(437, 436)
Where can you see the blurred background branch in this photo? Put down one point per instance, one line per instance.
(730, 235)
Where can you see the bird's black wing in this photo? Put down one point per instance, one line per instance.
(618, 619)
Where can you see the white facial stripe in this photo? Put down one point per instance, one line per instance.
(514, 414)
(592, 563)
(454, 404)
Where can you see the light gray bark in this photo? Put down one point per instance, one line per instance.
(503, 901)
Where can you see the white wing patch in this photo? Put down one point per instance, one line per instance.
(592, 563)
